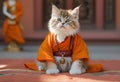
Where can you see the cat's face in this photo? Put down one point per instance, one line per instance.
(64, 21)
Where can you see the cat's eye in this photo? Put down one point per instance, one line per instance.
(59, 19)
(67, 20)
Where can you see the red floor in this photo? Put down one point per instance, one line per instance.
(13, 70)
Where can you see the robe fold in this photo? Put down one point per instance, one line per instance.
(13, 32)
(79, 51)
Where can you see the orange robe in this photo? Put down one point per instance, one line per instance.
(79, 51)
(47, 48)
(13, 32)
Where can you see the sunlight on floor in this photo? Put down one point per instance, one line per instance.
(3, 66)
(69, 78)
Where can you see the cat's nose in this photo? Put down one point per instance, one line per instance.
(63, 23)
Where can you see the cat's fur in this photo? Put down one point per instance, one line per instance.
(67, 17)
(64, 23)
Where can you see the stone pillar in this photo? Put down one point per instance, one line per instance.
(117, 15)
(28, 16)
(38, 13)
(99, 13)
(69, 4)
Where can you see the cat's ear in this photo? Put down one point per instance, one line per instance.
(75, 12)
(55, 11)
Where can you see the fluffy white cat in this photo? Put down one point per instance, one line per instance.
(64, 23)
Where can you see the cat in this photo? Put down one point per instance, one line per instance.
(63, 24)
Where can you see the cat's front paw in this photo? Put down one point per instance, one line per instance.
(77, 71)
(77, 68)
(52, 71)
(51, 68)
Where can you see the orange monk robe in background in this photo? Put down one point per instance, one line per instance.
(79, 51)
(13, 32)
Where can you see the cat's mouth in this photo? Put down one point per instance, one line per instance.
(62, 27)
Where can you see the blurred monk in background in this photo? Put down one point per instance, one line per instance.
(12, 29)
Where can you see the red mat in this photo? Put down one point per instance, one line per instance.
(13, 70)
